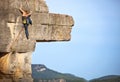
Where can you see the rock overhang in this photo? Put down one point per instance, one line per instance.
(46, 26)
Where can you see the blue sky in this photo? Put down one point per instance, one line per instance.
(94, 49)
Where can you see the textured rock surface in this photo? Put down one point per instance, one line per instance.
(15, 56)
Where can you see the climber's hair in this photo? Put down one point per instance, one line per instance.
(26, 11)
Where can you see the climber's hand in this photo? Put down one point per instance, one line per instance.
(21, 6)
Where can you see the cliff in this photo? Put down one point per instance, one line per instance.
(15, 49)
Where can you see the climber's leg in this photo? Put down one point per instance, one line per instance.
(26, 30)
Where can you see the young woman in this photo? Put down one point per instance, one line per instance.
(26, 20)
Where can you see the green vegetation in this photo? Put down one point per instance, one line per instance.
(40, 72)
(48, 74)
(110, 78)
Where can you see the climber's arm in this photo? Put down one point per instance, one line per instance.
(30, 13)
(21, 10)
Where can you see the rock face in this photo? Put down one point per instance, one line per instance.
(15, 49)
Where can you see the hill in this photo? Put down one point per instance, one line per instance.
(110, 78)
(41, 72)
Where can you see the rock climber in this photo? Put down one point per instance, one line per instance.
(26, 20)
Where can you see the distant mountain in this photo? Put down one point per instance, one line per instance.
(41, 72)
(110, 78)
